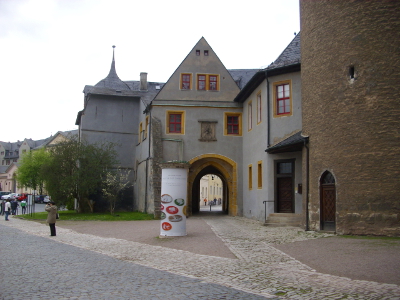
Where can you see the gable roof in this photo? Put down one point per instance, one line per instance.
(66, 134)
(288, 61)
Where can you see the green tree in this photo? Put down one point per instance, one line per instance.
(114, 183)
(29, 173)
(76, 170)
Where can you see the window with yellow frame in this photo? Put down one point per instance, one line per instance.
(186, 81)
(140, 132)
(207, 82)
(146, 128)
(259, 174)
(250, 177)
(259, 106)
(232, 124)
(250, 116)
(282, 95)
(175, 122)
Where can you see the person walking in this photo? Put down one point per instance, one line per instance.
(23, 206)
(51, 208)
(205, 201)
(14, 206)
(7, 209)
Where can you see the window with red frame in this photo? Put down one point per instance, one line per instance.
(175, 123)
(213, 83)
(201, 82)
(185, 81)
(283, 99)
(232, 124)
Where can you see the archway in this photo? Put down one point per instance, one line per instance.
(220, 166)
(328, 201)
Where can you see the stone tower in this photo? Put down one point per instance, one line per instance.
(350, 61)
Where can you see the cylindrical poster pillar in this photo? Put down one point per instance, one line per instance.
(173, 201)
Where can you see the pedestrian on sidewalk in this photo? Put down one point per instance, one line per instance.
(51, 208)
(14, 206)
(7, 209)
(23, 206)
(205, 201)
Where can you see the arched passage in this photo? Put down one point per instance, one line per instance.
(218, 165)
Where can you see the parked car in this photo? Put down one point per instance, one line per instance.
(39, 198)
(10, 196)
(2, 193)
(23, 197)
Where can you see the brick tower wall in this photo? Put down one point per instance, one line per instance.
(353, 123)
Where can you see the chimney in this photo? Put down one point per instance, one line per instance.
(143, 81)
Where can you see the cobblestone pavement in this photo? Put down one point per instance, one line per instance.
(259, 272)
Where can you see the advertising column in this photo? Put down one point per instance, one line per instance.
(173, 201)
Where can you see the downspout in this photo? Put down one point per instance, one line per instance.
(307, 182)
(268, 109)
(147, 164)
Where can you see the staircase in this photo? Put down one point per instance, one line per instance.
(281, 220)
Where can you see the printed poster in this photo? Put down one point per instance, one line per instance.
(173, 202)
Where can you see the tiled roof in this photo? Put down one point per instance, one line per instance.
(292, 143)
(289, 56)
(242, 76)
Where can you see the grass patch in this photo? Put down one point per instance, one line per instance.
(70, 215)
(370, 237)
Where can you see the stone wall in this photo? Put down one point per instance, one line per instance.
(350, 92)
(155, 169)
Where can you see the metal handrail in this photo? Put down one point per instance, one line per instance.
(265, 208)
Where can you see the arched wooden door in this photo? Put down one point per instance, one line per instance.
(328, 202)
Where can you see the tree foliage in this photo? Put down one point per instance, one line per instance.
(114, 183)
(76, 170)
(29, 173)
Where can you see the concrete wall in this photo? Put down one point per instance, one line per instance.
(353, 123)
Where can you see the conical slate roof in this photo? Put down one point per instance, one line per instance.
(112, 81)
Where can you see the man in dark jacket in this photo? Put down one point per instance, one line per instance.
(14, 206)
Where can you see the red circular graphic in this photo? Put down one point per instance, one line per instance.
(172, 210)
(166, 226)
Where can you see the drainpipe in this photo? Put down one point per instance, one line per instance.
(268, 109)
(147, 164)
(308, 182)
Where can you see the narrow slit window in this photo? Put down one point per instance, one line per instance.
(351, 72)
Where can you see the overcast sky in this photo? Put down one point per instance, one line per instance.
(51, 49)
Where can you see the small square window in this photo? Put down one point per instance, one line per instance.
(175, 122)
(197, 52)
(233, 124)
(205, 52)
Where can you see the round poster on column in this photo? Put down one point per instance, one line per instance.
(173, 202)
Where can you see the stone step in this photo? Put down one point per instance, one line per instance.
(278, 219)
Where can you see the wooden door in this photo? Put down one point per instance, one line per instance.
(328, 202)
(285, 195)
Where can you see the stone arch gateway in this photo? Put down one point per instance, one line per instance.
(221, 166)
